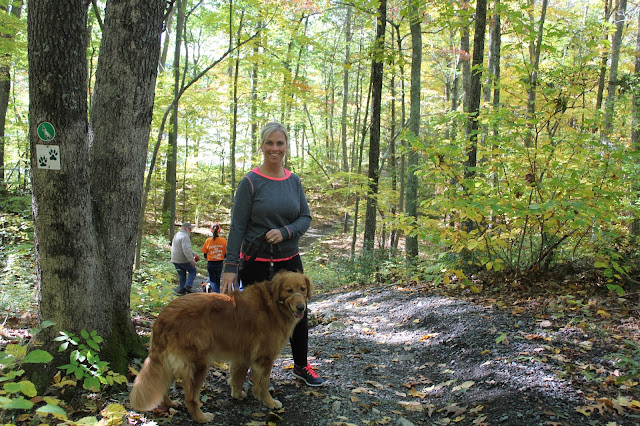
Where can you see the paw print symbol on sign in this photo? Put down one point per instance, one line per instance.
(53, 154)
(42, 160)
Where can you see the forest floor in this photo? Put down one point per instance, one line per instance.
(401, 354)
(411, 354)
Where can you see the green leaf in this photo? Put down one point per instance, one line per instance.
(501, 338)
(91, 383)
(93, 345)
(85, 334)
(616, 288)
(17, 404)
(38, 357)
(51, 409)
(6, 359)
(47, 324)
(25, 387)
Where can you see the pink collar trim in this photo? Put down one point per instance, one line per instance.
(257, 171)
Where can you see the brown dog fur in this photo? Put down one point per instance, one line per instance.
(247, 328)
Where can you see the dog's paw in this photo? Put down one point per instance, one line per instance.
(273, 404)
(204, 418)
(239, 395)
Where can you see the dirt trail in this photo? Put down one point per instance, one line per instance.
(403, 356)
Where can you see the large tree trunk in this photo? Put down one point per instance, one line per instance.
(86, 213)
(414, 126)
(5, 83)
(374, 132)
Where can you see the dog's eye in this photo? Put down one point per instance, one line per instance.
(290, 290)
(303, 289)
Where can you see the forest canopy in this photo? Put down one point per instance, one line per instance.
(525, 153)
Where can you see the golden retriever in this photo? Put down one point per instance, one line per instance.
(247, 328)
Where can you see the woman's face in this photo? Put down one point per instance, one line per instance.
(274, 147)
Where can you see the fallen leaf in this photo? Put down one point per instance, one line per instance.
(464, 386)
(417, 394)
(411, 406)
(375, 384)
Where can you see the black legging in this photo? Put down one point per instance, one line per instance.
(259, 271)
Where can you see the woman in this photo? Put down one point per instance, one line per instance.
(215, 249)
(270, 214)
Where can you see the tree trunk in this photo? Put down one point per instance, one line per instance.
(616, 43)
(414, 127)
(603, 62)
(475, 88)
(374, 132)
(635, 131)
(345, 91)
(5, 84)
(86, 213)
(534, 53)
(254, 100)
(171, 174)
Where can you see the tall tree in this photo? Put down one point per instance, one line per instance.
(475, 89)
(171, 175)
(14, 9)
(86, 213)
(619, 17)
(534, 57)
(345, 90)
(414, 125)
(635, 131)
(377, 67)
(608, 7)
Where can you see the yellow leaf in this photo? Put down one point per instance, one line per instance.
(427, 336)
(411, 406)
(604, 314)
(464, 386)
(416, 393)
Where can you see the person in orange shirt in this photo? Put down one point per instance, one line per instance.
(215, 249)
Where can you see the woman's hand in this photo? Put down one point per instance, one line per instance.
(273, 236)
(228, 281)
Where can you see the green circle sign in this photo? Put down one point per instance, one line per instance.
(46, 132)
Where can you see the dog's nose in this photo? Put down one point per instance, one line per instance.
(300, 307)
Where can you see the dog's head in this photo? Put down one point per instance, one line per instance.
(293, 290)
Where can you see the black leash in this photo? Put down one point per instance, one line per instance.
(252, 249)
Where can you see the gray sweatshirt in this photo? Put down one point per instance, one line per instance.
(263, 203)
(181, 247)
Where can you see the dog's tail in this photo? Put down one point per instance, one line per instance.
(151, 384)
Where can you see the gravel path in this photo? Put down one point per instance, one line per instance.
(404, 356)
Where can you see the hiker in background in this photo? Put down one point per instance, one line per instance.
(215, 250)
(183, 259)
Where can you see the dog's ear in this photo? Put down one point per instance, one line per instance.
(275, 286)
(309, 286)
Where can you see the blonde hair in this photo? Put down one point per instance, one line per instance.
(271, 127)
